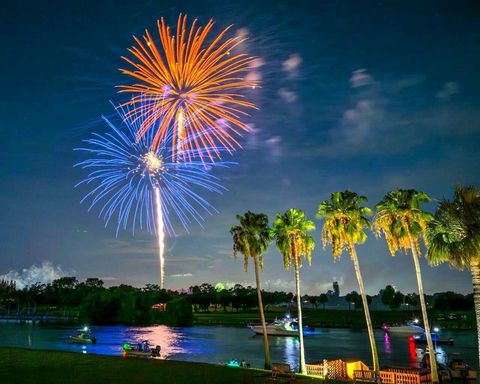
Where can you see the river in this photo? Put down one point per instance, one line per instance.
(220, 344)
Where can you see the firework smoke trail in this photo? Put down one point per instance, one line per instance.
(141, 187)
(160, 235)
(189, 79)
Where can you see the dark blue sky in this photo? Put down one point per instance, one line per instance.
(366, 95)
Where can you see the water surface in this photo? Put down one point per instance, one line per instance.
(220, 344)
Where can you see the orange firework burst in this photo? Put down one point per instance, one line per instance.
(190, 86)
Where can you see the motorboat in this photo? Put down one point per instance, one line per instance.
(286, 326)
(143, 349)
(459, 369)
(422, 339)
(83, 337)
(411, 328)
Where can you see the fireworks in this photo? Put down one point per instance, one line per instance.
(187, 106)
(125, 172)
(141, 187)
(190, 88)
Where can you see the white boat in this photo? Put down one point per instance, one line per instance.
(411, 328)
(281, 327)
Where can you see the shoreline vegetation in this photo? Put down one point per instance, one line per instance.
(330, 318)
(317, 318)
(34, 366)
(68, 301)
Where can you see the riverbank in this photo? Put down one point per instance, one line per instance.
(33, 366)
(328, 318)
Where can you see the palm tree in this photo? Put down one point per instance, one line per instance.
(345, 221)
(454, 237)
(251, 238)
(293, 241)
(402, 221)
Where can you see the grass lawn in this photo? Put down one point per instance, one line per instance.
(51, 367)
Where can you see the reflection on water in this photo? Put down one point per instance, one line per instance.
(221, 344)
(162, 335)
(413, 352)
(386, 340)
(291, 350)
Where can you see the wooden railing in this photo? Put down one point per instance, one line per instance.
(395, 376)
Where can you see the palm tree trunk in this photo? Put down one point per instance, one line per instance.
(475, 268)
(303, 368)
(266, 348)
(371, 336)
(433, 360)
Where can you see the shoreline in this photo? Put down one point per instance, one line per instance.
(328, 318)
(319, 318)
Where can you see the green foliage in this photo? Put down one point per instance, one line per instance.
(387, 295)
(323, 299)
(397, 300)
(101, 308)
(411, 299)
(454, 234)
(290, 231)
(178, 314)
(400, 218)
(452, 301)
(252, 237)
(345, 221)
(356, 299)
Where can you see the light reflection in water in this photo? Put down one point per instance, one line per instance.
(441, 355)
(386, 340)
(291, 350)
(412, 352)
(168, 339)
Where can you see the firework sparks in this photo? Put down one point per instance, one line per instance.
(137, 186)
(161, 235)
(193, 87)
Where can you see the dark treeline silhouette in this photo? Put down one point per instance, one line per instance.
(90, 301)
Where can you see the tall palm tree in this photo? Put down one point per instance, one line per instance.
(293, 241)
(454, 237)
(251, 238)
(345, 223)
(400, 217)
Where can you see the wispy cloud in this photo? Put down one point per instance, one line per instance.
(360, 78)
(274, 146)
(292, 64)
(182, 275)
(108, 278)
(448, 90)
(287, 95)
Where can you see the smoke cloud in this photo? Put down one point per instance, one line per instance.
(45, 273)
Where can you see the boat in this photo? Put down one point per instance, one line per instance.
(143, 349)
(410, 327)
(422, 339)
(83, 337)
(459, 369)
(285, 326)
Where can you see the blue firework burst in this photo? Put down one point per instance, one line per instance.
(124, 173)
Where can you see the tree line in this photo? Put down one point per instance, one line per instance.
(125, 304)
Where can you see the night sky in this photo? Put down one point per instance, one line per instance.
(365, 95)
